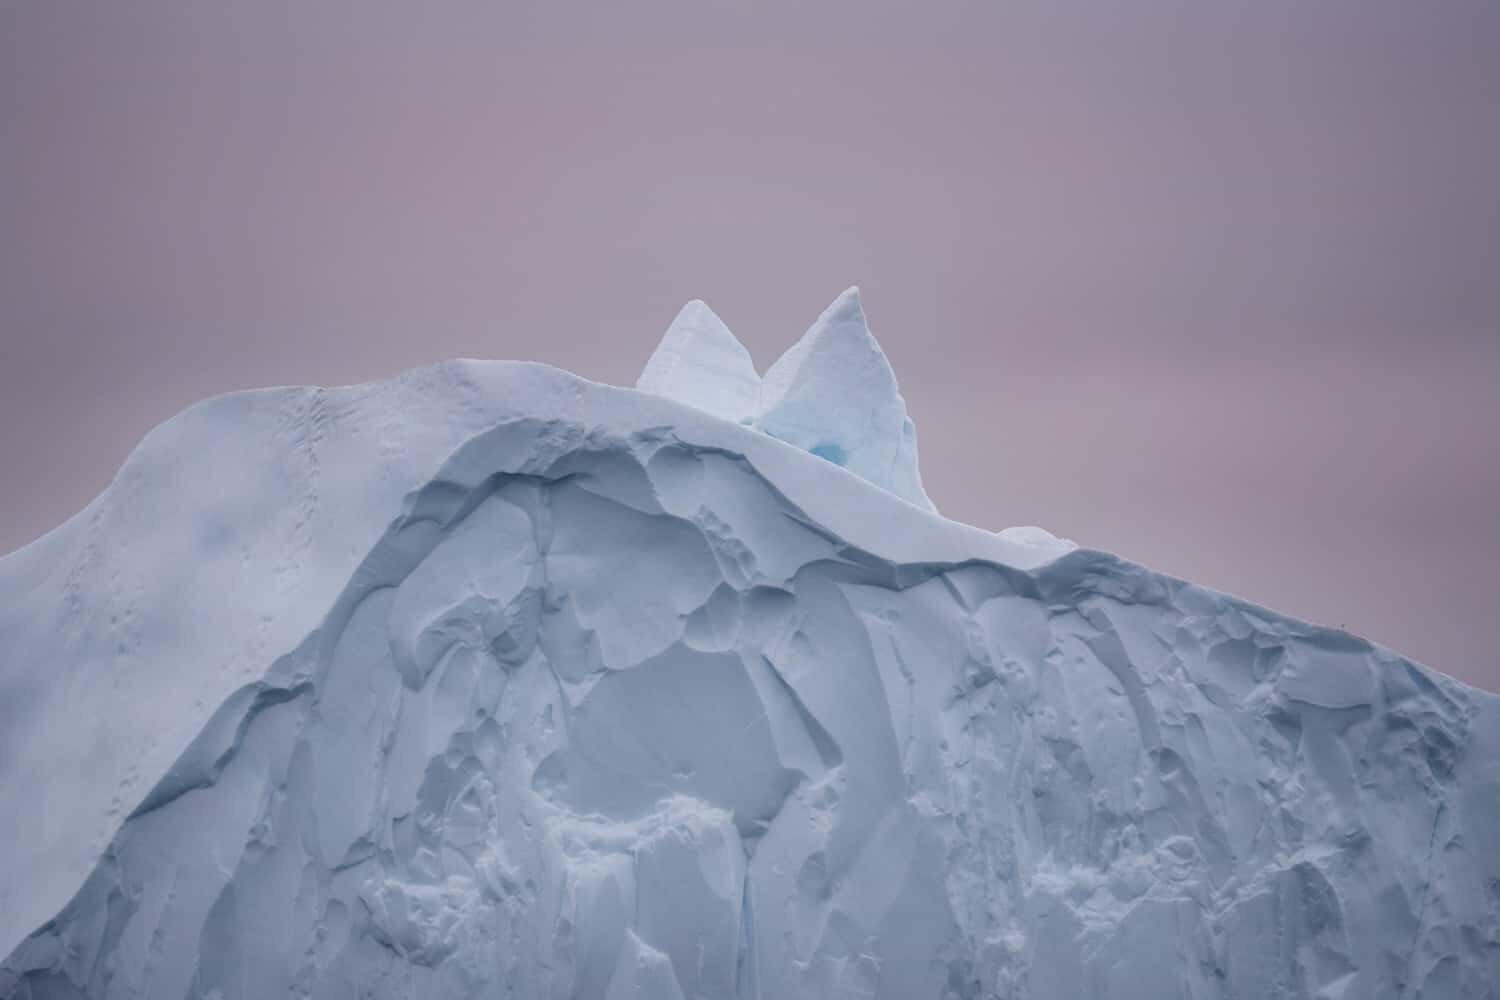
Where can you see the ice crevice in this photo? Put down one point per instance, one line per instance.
(623, 697)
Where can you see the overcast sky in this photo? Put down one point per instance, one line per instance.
(1214, 286)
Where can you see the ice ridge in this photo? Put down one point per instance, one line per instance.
(490, 681)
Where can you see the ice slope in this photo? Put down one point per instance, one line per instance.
(491, 681)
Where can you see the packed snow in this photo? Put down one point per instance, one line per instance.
(492, 681)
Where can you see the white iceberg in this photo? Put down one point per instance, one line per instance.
(491, 681)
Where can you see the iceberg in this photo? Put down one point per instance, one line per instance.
(488, 680)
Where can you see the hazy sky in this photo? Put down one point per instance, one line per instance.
(1212, 285)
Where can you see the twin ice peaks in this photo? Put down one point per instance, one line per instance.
(833, 393)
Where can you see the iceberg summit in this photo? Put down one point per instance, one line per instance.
(491, 681)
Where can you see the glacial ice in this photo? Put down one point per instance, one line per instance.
(491, 681)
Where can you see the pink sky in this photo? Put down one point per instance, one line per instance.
(1214, 286)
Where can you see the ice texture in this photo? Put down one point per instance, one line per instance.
(492, 681)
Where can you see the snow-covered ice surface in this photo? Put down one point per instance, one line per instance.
(491, 681)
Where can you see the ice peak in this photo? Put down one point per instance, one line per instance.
(833, 393)
(846, 307)
(701, 363)
(841, 328)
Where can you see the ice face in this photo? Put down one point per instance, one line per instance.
(700, 363)
(492, 681)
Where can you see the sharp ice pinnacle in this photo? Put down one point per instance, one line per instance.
(700, 363)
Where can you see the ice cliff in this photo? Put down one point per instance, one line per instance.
(491, 681)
